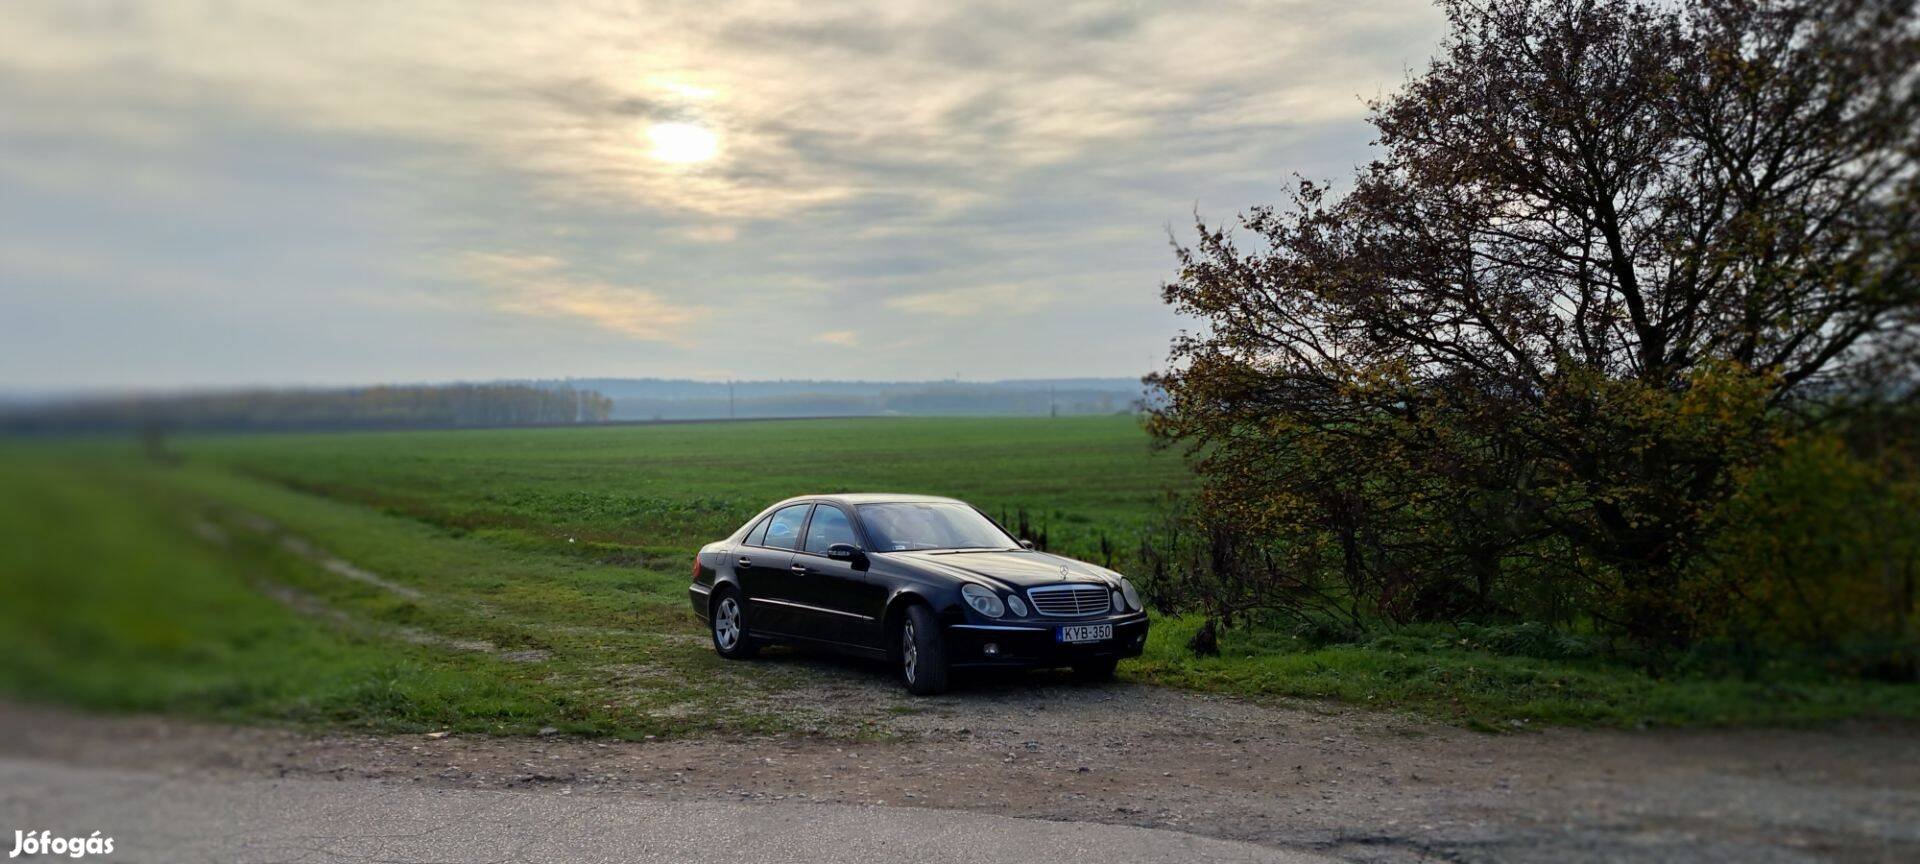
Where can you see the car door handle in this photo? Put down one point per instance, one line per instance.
(744, 561)
(798, 568)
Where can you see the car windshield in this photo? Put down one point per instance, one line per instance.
(905, 527)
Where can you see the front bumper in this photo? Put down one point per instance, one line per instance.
(1035, 643)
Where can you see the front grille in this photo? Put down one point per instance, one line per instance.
(1070, 600)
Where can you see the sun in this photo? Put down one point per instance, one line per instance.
(682, 143)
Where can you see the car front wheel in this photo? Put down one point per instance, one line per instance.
(923, 653)
(729, 630)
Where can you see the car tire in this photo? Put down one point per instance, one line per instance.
(921, 652)
(1095, 670)
(727, 626)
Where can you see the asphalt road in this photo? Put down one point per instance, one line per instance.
(153, 817)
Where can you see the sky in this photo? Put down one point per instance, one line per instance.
(208, 194)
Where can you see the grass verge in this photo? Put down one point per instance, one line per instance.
(1438, 674)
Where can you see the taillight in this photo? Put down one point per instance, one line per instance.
(696, 568)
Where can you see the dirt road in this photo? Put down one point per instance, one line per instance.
(1348, 784)
(241, 821)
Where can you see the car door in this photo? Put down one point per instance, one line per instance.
(848, 605)
(764, 565)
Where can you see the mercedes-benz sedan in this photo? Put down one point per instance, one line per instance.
(928, 584)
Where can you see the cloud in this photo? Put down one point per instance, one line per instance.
(711, 233)
(881, 166)
(540, 286)
(842, 338)
(624, 309)
(508, 267)
(973, 302)
(811, 104)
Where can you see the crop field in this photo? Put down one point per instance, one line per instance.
(664, 490)
(503, 581)
(512, 581)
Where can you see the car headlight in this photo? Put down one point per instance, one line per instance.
(1018, 605)
(983, 600)
(1132, 596)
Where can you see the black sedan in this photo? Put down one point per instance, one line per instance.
(929, 584)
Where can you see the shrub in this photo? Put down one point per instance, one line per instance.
(1821, 548)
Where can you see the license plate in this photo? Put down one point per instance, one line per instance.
(1086, 633)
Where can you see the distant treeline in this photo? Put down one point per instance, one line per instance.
(579, 400)
(398, 407)
(952, 400)
(665, 399)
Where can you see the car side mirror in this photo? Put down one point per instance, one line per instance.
(1026, 544)
(847, 552)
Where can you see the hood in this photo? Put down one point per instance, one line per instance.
(1022, 569)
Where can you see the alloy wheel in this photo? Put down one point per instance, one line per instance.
(909, 652)
(726, 624)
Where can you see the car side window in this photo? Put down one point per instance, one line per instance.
(830, 525)
(783, 528)
(758, 536)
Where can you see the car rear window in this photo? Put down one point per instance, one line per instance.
(758, 536)
(783, 527)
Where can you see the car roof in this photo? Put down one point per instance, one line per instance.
(876, 498)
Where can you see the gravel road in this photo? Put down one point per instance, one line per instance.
(156, 818)
(1287, 777)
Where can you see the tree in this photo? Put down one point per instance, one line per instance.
(1607, 249)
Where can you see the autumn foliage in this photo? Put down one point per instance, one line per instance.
(1615, 262)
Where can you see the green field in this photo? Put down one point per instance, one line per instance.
(512, 580)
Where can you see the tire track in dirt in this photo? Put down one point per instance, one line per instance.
(798, 690)
(344, 568)
(305, 603)
(804, 702)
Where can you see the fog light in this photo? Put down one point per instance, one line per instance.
(991, 649)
